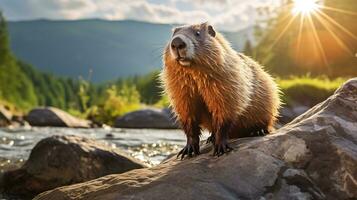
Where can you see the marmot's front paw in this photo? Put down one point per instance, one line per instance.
(221, 147)
(192, 148)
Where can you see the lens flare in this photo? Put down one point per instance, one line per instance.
(304, 6)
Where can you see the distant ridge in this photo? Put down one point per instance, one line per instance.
(110, 49)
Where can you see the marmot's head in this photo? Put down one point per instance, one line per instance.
(193, 44)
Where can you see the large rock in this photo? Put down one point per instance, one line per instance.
(49, 116)
(313, 157)
(287, 114)
(64, 160)
(147, 118)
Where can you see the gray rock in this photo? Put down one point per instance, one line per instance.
(63, 160)
(147, 118)
(287, 114)
(298, 110)
(49, 116)
(313, 157)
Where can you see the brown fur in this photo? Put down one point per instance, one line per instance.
(219, 87)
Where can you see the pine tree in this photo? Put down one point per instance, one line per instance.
(4, 40)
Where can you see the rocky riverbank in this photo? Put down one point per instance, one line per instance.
(63, 160)
(312, 157)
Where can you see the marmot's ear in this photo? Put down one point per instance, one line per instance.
(211, 31)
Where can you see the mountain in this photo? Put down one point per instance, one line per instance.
(109, 49)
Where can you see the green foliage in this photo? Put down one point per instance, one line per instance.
(4, 41)
(53, 91)
(163, 102)
(118, 101)
(15, 86)
(306, 90)
(147, 85)
(83, 95)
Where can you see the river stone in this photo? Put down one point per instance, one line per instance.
(62, 160)
(313, 157)
(50, 116)
(147, 118)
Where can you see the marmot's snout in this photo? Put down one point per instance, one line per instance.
(181, 49)
(178, 43)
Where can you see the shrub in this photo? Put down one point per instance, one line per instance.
(306, 90)
(118, 101)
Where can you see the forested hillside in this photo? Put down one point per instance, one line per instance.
(25, 87)
(109, 49)
(21, 91)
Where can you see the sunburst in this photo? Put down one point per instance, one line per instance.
(308, 12)
(304, 7)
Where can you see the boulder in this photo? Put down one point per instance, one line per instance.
(50, 116)
(62, 160)
(313, 157)
(287, 114)
(147, 118)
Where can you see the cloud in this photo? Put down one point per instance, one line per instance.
(157, 13)
(225, 14)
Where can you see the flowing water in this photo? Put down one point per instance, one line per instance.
(148, 145)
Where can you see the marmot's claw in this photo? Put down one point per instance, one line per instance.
(210, 139)
(261, 132)
(190, 150)
(220, 149)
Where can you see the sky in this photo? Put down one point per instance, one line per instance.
(229, 15)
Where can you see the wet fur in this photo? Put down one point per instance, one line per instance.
(222, 89)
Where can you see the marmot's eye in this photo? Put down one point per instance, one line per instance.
(198, 33)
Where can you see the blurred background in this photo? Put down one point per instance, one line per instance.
(99, 60)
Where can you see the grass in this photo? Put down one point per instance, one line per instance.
(306, 90)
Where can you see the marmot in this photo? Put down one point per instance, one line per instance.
(211, 86)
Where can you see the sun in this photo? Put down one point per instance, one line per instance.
(304, 6)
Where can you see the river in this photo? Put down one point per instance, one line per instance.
(151, 146)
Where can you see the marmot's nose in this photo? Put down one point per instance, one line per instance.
(178, 43)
